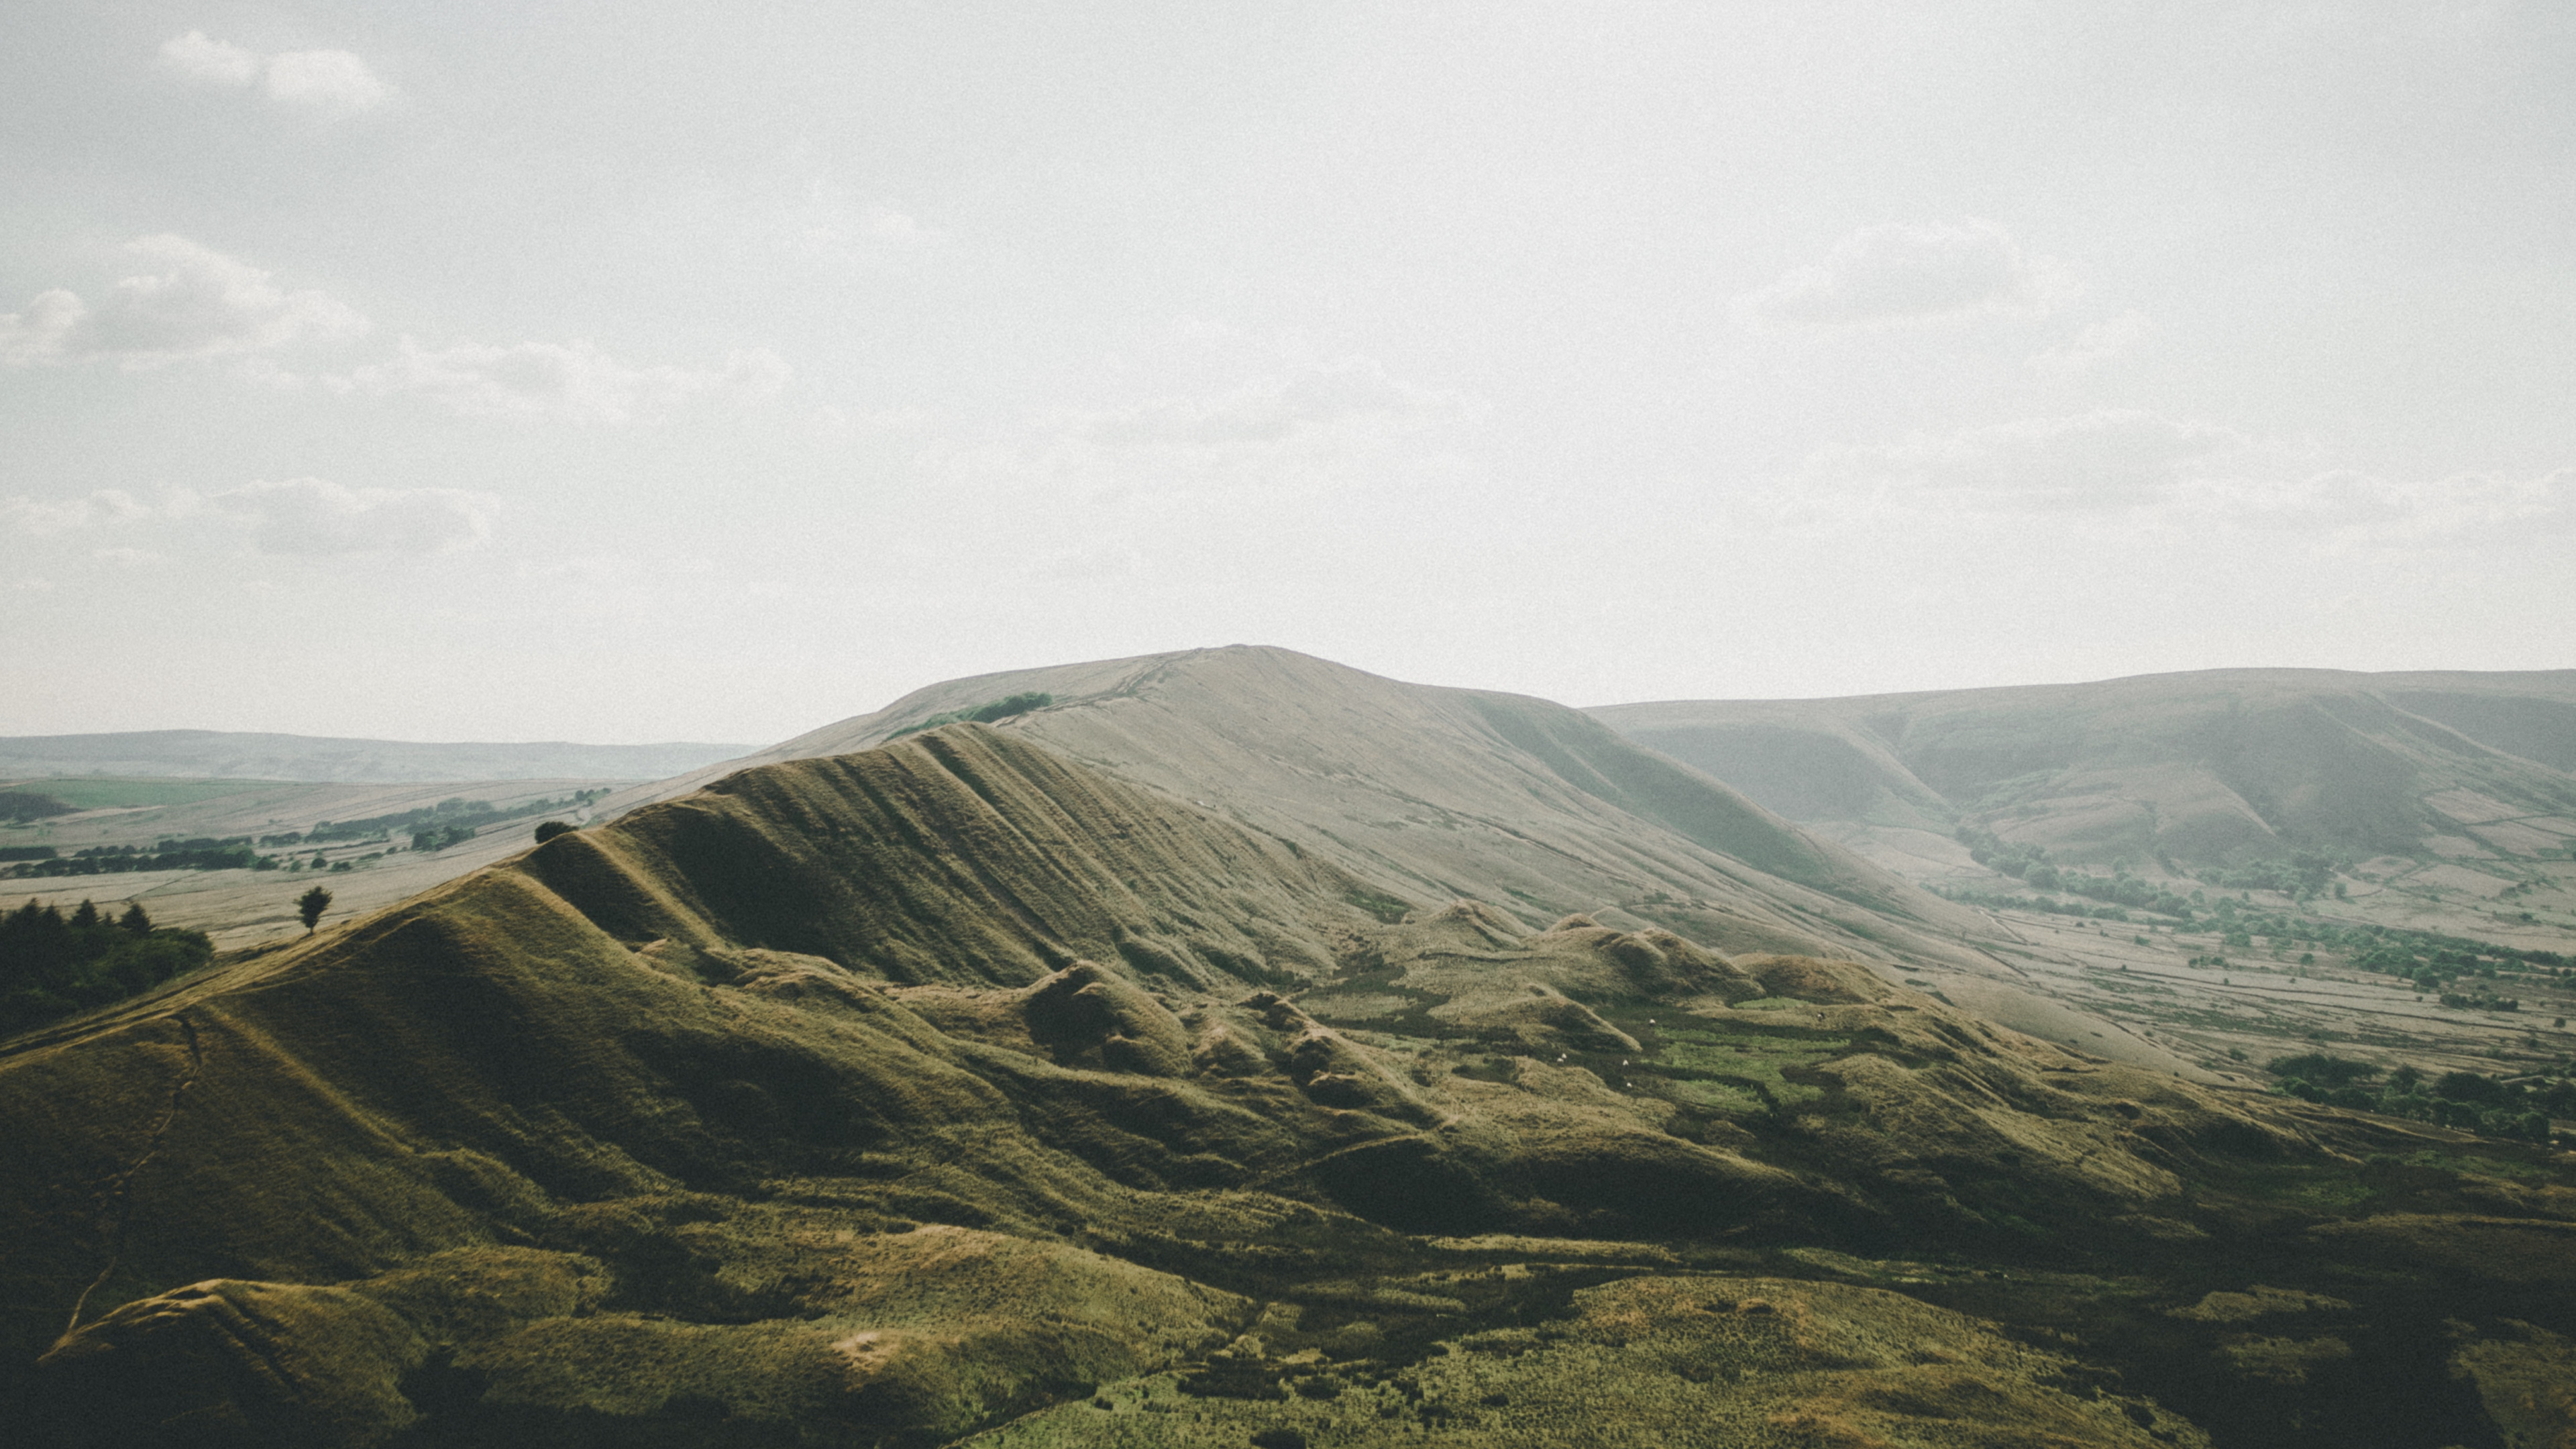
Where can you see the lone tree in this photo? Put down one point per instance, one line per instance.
(311, 905)
(549, 829)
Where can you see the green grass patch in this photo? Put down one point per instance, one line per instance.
(110, 793)
(1385, 907)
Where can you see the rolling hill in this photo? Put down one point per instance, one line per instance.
(1441, 794)
(1195, 1060)
(957, 1086)
(2202, 768)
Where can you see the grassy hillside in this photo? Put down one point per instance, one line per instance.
(1444, 793)
(960, 1087)
(2203, 768)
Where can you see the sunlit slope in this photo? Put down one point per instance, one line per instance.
(882, 1098)
(1433, 793)
(2202, 766)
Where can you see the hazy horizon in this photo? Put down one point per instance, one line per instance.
(419, 373)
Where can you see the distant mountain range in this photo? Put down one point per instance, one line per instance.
(2204, 766)
(226, 755)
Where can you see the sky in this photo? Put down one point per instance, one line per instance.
(652, 371)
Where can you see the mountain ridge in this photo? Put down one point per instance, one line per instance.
(2206, 766)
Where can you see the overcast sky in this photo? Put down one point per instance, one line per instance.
(675, 371)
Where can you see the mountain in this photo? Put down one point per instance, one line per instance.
(1116, 1072)
(2210, 767)
(224, 755)
(1441, 794)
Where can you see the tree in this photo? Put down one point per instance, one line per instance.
(311, 905)
(135, 920)
(549, 829)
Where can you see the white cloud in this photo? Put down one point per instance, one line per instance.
(45, 518)
(325, 81)
(1354, 394)
(315, 516)
(2098, 343)
(199, 58)
(192, 302)
(575, 382)
(1912, 272)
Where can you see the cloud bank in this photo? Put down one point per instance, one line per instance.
(296, 516)
(1905, 273)
(191, 302)
(328, 82)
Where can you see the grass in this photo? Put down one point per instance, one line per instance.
(114, 793)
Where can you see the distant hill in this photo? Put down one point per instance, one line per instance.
(1437, 794)
(220, 754)
(2206, 766)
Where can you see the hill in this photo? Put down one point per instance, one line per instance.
(225, 755)
(1441, 794)
(2217, 767)
(963, 1086)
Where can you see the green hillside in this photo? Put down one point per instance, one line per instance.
(958, 1087)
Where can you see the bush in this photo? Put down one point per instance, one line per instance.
(2332, 1071)
(549, 829)
(987, 713)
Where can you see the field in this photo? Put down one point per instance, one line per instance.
(2229, 1009)
(249, 908)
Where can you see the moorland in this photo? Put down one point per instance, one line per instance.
(1241, 1049)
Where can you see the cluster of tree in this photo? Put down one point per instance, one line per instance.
(2304, 876)
(26, 852)
(20, 806)
(2031, 865)
(2494, 1106)
(201, 853)
(449, 815)
(52, 965)
(2479, 1001)
(987, 713)
(439, 837)
(2047, 905)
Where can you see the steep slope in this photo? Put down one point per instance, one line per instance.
(890, 1097)
(2202, 767)
(1435, 794)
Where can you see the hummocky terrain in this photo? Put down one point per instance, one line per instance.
(1231, 1050)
